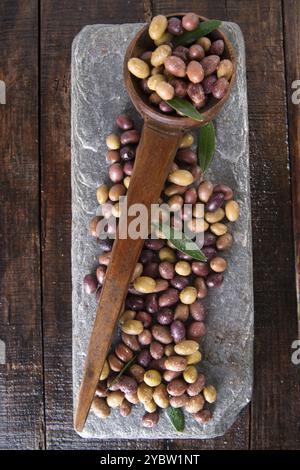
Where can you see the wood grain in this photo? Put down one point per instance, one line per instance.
(60, 22)
(275, 407)
(21, 376)
(291, 10)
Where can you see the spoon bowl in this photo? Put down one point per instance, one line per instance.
(141, 43)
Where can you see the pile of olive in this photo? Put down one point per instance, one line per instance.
(163, 320)
(195, 72)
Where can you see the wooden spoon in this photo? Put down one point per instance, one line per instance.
(159, 142)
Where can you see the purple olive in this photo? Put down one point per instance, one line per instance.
(144, 358)
(146, 57)
(209, 251)
(128, 168)
(181, 52)
(197, 311)
(151, 269)
(165, 316)
(145, 318)
(127, 153)
(217, 47)
(165, 108)
(209, 239)
(215, 202)
(166, 270)
(151, 304)
(214, 280)
(226, 190)
(175, 26)
(199, 268)
(186, 156)
(90, 284)
(180, 282)
(130, 137)
(168, 298)
(208, 83)
(133, 302)
(177, 329)
(196, 330)
(184, 256)
(146, 256)
(124, 121)
(154, 243)
(105, 244)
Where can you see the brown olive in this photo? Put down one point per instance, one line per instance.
(196, 93)
(180, 87)
(190, 21)
(137, 372)
(179, 402)
(202, 416)
(196, 52)
(156, 350)
(181, 312)
(217, 47)
(123, 352)
(176, 387)
(162, 334)
(124, 121)
(186, 156)
(150, 420)
(100, 274)
(114, 363)
(145, 337)
(220, 88)
(169, 375)
(115, 172)
(195, 72)
(210, 64)
(175, 66)
(145, 318)
(201, 287)
(197, 311)
(194, 404)
(224, 242)
(101, 390)
(190, 196)
(176, 363)
(196, 387)
(127, 384)
(196, 330)
(125, 408)
(132, 398)
(100, 408)
(130, 341)
(182, 52)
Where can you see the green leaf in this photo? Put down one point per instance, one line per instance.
(204, 28)
(206, 145)
(176, 417)
(181, 242)
(185, 107)
(123, 370)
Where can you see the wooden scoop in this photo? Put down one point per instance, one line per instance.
(159, 142)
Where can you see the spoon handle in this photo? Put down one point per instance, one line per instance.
(154, 158)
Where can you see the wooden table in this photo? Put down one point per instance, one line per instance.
(35, 218)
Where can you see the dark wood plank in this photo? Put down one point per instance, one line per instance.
(238, 436)
(21, 376)
(60, 22)
(276, 398)
(291, 17)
